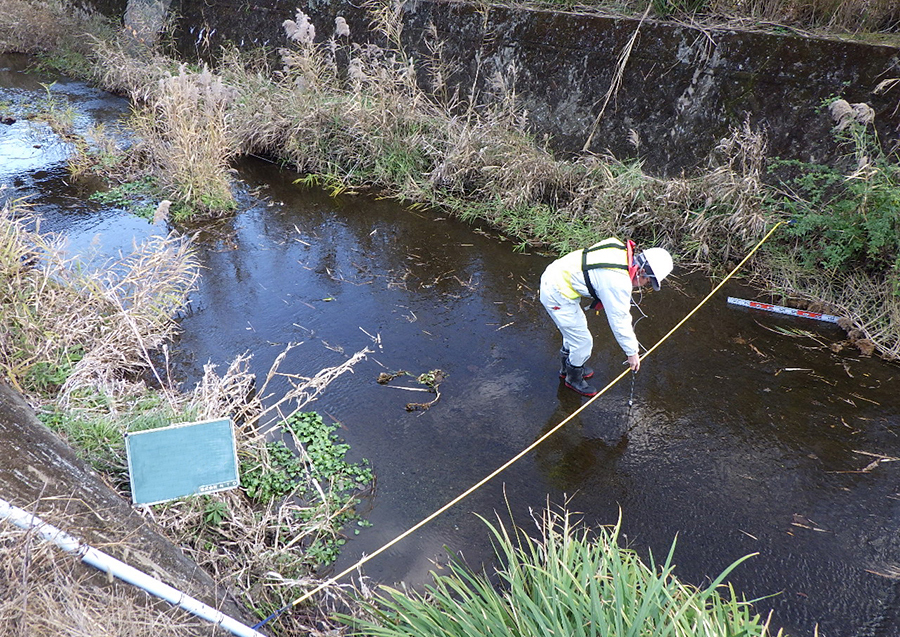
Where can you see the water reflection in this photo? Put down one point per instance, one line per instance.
(747, 433)
(577, 454)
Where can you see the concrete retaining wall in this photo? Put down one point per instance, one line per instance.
(683, 88)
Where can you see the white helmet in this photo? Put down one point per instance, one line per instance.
(657, 264)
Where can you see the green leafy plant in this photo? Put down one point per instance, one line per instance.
(568, 581)
(48, 375)
(127, 195)
(55, 111)
(274, 479)
(326, 454)
(66, 60)
(670, 8)
(847, 220)
(214, 512)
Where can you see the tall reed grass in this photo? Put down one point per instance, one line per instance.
(568, 581)
(864, 18)
(43, 26)
(183, 140)
(356, 116)
(66, 324)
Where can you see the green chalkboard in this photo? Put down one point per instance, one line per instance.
(180, 460)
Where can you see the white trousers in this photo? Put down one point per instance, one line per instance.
(570, 320)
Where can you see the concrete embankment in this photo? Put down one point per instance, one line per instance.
(680, 90)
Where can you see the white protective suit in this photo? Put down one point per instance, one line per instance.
(563, 286)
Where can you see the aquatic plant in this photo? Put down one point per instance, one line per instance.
(569, 580)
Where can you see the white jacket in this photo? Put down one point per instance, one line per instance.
(613, 287)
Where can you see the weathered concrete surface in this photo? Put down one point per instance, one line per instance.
(41, 474)
(682, 90)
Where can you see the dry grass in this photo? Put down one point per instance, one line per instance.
(70, 324)
(256, 553)
(184, 139)
(181, 121)
(44, 591)
(256, 550)
(36, 26)
(851, 16)
(824, 17)
(870, 306)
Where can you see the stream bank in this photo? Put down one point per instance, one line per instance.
(741, 438)
(682, 89)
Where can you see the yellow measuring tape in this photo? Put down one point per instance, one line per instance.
(531, 447)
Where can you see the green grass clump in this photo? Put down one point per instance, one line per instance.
(569, 581)
(847, 216)
(95, 423)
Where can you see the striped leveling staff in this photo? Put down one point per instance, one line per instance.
(780, 309)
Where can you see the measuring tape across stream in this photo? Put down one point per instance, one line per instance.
(334, 579)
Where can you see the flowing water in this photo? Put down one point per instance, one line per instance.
(748, 433)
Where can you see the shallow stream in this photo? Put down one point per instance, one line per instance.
(747, 433)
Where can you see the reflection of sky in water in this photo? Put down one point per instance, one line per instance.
(33, 162)
(108, 234)
(724, 446)
(26, 146)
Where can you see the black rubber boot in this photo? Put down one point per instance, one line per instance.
(564, 358)
(575, 381)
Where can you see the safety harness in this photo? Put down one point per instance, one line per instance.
(586, 266)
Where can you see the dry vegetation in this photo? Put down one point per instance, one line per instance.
(27, 26)
(77, 340)
(257, 549)
(873, 20)
(67, 324)
(35, 578)
(352, 115)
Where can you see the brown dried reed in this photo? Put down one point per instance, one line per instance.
(258, 554)
(37, 26)
(83, 324)
(44, 591)
(870, 306)
(184, 139)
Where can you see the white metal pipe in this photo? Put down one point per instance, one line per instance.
(111, 565)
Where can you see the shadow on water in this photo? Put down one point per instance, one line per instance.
(747, 433)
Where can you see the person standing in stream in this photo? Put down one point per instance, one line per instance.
(606, 272)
